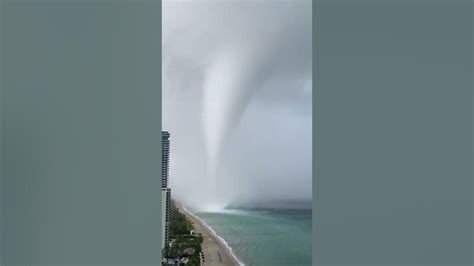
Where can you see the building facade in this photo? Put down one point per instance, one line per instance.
(165, 190)
(165, 158)
(165, 216)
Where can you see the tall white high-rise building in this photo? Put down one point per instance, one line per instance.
(165, 190)
(165, 158)
(165, 215)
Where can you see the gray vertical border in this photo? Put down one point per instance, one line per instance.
(160, 119)
(139, 220)
(402, 196)
(1, 132)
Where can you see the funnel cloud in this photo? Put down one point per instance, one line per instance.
(237, 92)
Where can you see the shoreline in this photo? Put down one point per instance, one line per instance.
(215, 248)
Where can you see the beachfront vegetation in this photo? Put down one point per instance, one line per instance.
(179, 224)
(183, 243)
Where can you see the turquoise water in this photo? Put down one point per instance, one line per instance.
(265, 237)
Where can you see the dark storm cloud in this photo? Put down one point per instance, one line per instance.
(236, 96)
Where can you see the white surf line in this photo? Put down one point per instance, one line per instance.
(226, 245)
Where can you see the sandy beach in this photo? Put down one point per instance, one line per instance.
(215, 253)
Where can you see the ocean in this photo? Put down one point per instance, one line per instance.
(265, 236)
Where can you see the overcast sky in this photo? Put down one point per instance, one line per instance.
(237, 91)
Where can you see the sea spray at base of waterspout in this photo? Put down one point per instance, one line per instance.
(214, 197)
